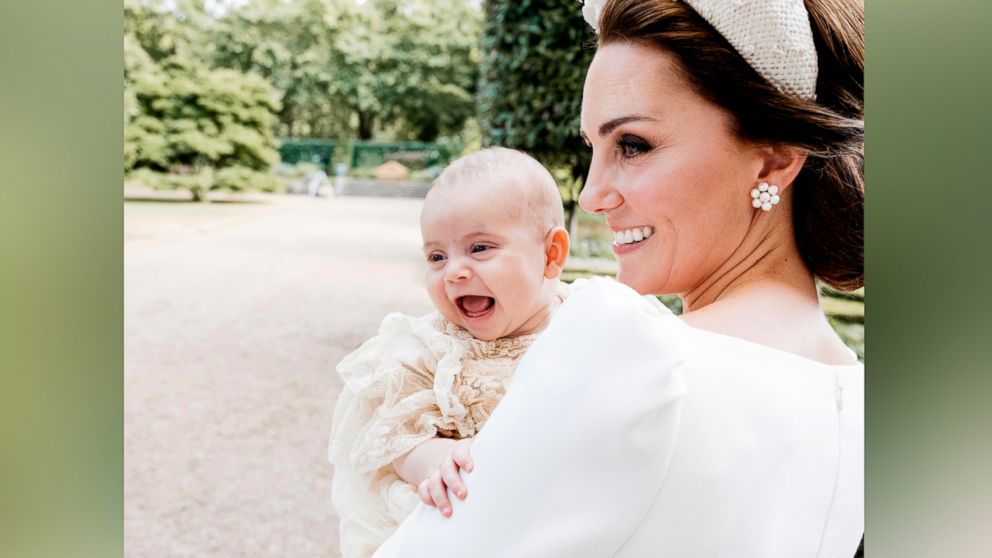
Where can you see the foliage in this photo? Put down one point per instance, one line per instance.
(388, 69)
(166, 28)
(186, 121)
(199, 182)
(292, 46)
(530, 91)
(238, 179)
(414, 62)
(198, 80)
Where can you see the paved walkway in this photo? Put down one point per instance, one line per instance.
(235, 315)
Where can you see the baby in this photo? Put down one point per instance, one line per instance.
(415, 394)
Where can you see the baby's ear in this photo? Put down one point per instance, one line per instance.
(555, 252)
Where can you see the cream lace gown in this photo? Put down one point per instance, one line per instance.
(627, 433)
(418, 378)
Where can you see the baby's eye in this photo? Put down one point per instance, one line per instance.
(435, 257)
(476, 248)
(632, 146)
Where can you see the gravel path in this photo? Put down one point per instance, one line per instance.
(235, 315)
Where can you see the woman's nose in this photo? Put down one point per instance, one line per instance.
(598, 195)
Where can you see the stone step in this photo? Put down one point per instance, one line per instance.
(382, 188)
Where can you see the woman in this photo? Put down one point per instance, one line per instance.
(727, 142)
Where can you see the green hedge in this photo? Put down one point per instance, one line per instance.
(366, 154)
(318, 151)
(415, 155)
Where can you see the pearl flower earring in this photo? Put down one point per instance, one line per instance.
(765, 196)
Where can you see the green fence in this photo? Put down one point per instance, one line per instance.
(366, 154)
(415, 155)
(307, 150)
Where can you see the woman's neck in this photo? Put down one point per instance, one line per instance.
(768, 255)
(767, 296)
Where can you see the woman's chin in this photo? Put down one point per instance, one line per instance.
(631, 280)
(643, 283)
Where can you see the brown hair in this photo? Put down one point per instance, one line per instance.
(828, 194)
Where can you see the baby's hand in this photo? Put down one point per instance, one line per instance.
(447, 475)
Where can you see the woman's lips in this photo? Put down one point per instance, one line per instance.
(630, 239)
(633, 234)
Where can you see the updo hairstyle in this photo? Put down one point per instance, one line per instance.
(828, 194)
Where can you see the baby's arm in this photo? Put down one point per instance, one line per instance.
(433, 467)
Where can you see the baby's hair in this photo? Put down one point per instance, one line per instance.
(518, 173)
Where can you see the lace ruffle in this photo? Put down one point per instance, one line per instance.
(417, 379)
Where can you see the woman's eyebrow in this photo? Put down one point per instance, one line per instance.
(611, 125)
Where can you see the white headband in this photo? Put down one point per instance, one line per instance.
(773, 36)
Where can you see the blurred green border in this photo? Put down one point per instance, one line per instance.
(928, 267)
(61, 113)
(929, 371)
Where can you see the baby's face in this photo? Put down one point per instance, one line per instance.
(485, 262)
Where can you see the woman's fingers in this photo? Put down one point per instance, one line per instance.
(424, 492)
(462, 458)
(452, 478)
(439, 493)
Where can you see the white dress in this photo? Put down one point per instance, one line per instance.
(627, 433)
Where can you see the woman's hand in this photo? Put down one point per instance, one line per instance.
(447, 475)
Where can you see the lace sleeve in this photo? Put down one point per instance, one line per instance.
(389, 404)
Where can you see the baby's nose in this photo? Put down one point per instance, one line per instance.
(457, 272)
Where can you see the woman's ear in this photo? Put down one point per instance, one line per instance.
(782, 164)
(555, 252)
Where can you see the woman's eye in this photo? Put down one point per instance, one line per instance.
(434, 258)
(631, 146)
(476, 248)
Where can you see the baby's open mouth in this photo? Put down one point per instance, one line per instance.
(473, 306)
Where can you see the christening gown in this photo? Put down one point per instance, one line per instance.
(627, 433)
(420, 377)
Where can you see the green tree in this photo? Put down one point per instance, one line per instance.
(400, 69)
(534, 61)
(165, 28)
(191, 127)
(291, 44)
(409, 65)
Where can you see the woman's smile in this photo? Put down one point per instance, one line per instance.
(635, 234)
(626, 240)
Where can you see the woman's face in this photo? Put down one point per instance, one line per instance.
(665, 160)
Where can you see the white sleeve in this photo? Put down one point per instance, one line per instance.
(572, 458)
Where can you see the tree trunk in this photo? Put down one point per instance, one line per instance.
(287, 117)
(365, 121)
(572, 203)
(572, 218)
